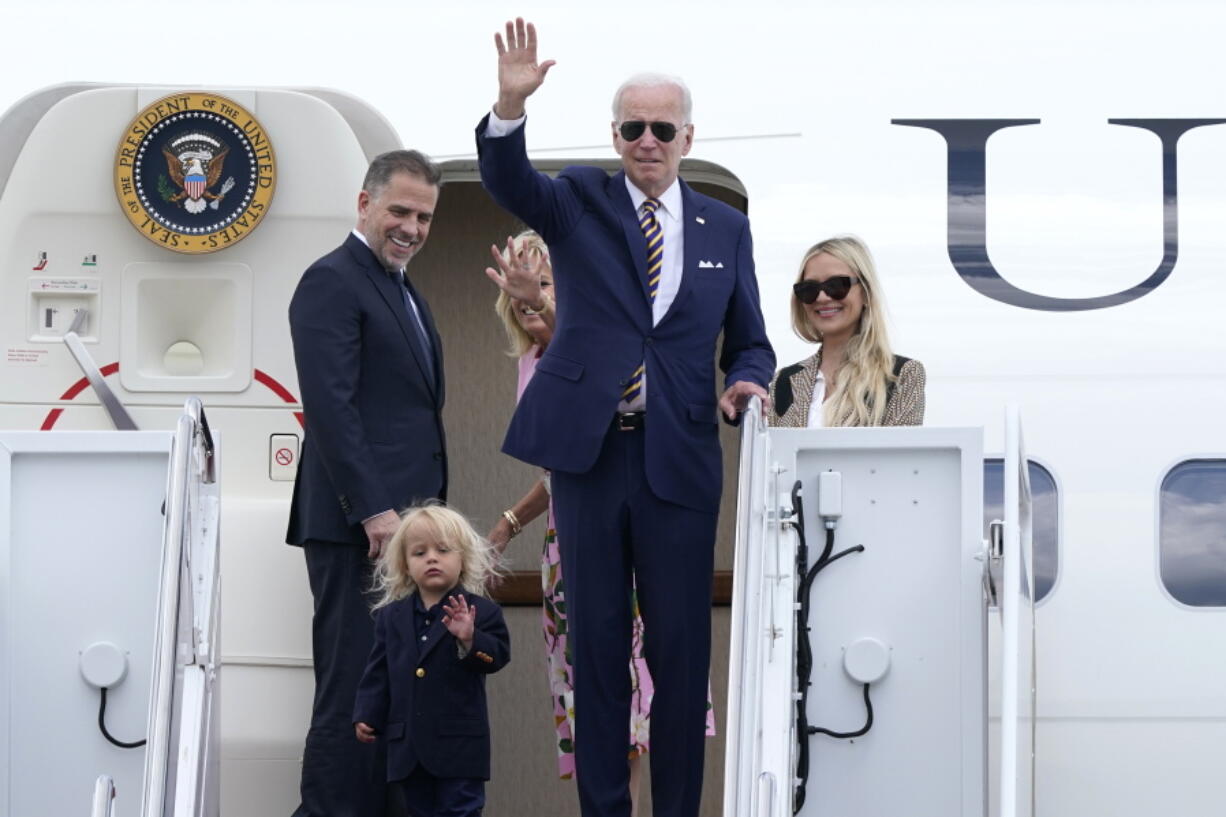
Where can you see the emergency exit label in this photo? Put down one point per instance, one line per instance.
(25, 357)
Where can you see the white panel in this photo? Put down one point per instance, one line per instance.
(1149, 767)
(913, 499)
(905, 589)
(205, 303)
(80, 541)
(264, 713)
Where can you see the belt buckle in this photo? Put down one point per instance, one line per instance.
(629, 420)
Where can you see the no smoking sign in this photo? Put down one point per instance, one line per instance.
(283, 457)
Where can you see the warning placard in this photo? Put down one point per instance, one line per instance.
(26, 357)
(64, 285)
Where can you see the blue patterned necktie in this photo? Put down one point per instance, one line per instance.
(655, 265)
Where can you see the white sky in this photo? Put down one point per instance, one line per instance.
(423, 63)
(1076, 203)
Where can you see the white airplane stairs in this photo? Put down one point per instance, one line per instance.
(901, 679)
(102, 533)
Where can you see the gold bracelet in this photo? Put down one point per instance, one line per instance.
(509, 515)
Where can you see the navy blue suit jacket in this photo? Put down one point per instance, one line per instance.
(424, 700)
(374, 429)
(604, 324)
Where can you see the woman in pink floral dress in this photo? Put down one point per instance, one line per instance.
(529, 328)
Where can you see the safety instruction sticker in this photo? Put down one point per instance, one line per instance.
(64, 285)
(26, 357)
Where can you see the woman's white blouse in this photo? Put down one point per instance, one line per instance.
(815, 405)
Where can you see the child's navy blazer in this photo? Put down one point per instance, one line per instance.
(426, 701)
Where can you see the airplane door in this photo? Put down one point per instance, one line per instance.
(1016, 598)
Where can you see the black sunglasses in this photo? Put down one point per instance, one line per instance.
(664, 131)
(836, 286)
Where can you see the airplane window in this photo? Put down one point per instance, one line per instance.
(1192, 533)
(1045, 522)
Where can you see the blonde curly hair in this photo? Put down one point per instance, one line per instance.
(478, 562)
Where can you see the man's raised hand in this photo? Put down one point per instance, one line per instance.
(519, 74)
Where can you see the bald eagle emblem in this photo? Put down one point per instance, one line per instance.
(195, 162)
(195, 172)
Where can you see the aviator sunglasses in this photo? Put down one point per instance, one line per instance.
(664, 131)
(836, 286)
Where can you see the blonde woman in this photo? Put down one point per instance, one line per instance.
(854, 378)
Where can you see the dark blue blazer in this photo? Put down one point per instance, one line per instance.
(425, 701)
(604, 324)
(374, 429)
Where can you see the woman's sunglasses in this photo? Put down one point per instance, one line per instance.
(836, 286)
(664, 131)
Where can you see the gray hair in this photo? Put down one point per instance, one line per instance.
(413, 162)
(653, 80)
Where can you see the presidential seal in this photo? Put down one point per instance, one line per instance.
(195, 172)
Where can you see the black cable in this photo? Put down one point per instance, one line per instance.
(820, 566)
(868, 723)
(804, 648)
(106, 734)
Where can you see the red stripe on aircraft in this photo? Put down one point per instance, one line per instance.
(279, 390)
(76, 388)
(81, 385)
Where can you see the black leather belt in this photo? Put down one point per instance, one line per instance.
(629, 420)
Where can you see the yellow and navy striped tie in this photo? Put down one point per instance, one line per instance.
(655, 264)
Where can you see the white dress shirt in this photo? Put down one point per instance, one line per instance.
(412, 301)
(669, 215)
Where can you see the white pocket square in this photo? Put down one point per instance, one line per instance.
(709, 265)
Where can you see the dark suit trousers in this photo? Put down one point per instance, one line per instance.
(424, 795)
(612, 527)
(341, 777)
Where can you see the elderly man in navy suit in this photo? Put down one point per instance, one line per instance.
(370, 368)
(623, 409)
